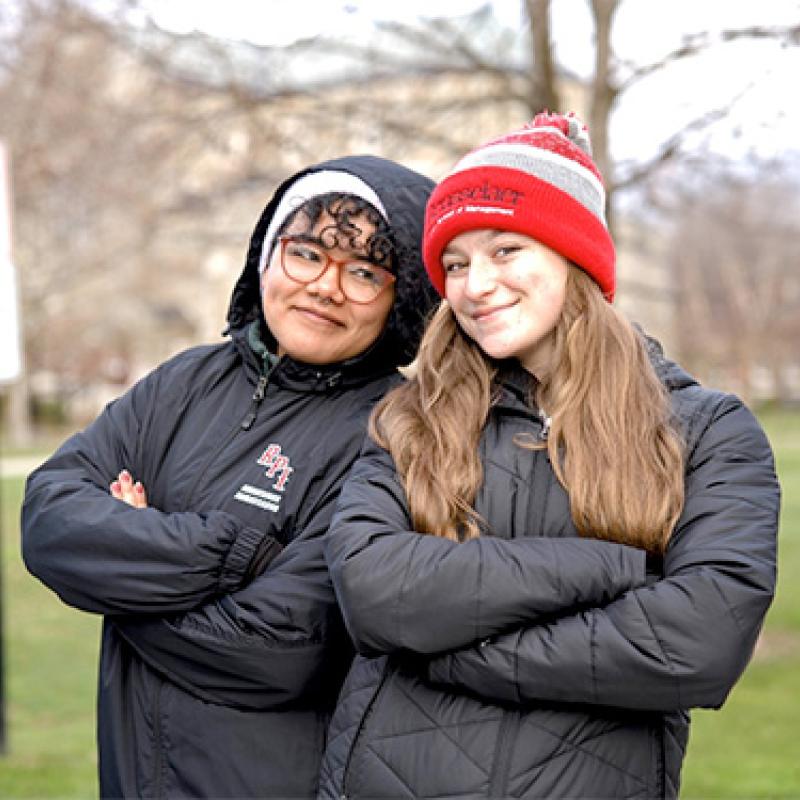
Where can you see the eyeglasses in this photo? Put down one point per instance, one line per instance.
(360, 281)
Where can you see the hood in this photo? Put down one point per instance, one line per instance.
(521, 384)
(671, 374)
(403, 193)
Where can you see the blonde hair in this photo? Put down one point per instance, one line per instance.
(612, 441)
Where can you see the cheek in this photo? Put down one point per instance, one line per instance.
(548, 288)
(265, 284)
(267, 297)
(272, 301)
(453, 292)
(373, 320)
(557, 293)
(275, 287)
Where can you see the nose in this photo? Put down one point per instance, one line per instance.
(329, 284)
(481, 277)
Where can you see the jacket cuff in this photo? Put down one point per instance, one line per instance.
(235, 567)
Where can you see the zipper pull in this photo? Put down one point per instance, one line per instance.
(546, 422)
(258, 396)
(261, 388)
(248, 421)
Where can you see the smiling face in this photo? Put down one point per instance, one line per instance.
(507, 292)
(314, 322)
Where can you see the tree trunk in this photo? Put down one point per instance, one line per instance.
(543, 93)
(20, 430)
(604, 94)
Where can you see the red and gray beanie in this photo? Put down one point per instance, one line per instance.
(539, 180)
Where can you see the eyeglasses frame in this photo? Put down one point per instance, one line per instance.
(339, 262)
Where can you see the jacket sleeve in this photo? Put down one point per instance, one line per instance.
(401, 590)
(103, 556)
(277, 641)
(681, 642)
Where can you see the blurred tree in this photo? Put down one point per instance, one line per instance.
(141, 157)
(88, 149)
(129, 176)
(531, 76)
(733, 258)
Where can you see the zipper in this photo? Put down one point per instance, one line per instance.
(499, 783)
(159, 760)
(364, 717)
(258, 396)
(661, 754)
(540, 486)
(250, 417)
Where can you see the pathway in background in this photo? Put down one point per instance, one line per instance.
(18, 466)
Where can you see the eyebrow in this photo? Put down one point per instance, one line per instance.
(491, 234)
(354, 254)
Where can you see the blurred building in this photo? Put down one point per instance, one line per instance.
(143, 161)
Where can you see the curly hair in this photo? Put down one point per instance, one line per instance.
(346, 211)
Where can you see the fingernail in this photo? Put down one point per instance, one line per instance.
(138, 487)
(125, 475)
(115, 487)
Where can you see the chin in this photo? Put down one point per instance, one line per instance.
(499, 353)
(312, 357)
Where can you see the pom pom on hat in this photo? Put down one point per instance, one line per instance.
(540, 181)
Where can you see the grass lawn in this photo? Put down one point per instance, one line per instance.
(749, 749)
(51, 671)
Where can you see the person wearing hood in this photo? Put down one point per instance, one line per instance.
(222, 647)
(557, 542)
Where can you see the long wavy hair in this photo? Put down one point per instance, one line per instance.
(612, 442)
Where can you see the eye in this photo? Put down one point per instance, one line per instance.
(303, 251)
(507, 250)
(453, 267)
(364, 272)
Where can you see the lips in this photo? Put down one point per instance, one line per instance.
(320, 317)
(486, 314)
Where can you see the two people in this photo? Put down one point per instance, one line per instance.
(222, 649)
(556, 542)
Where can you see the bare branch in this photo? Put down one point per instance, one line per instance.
(672, 146)
(694, 44)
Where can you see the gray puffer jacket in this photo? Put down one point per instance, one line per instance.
(534, 663)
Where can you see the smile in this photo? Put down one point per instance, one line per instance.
(488, 314)
(318, 318)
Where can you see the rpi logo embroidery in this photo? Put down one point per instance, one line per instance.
(277, 465)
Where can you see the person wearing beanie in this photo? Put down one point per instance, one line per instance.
(556, 542)
(223, 649)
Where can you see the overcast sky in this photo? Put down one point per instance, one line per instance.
(766, 117)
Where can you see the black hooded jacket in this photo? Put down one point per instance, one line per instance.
(218, 674)
(531, 663)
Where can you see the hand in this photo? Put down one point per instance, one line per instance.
(123, 488)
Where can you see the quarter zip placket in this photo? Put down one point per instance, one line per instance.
(258, 396)
(245, 424)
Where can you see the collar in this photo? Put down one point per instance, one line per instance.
(516, 390)
(300, 376)
(517, 381)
